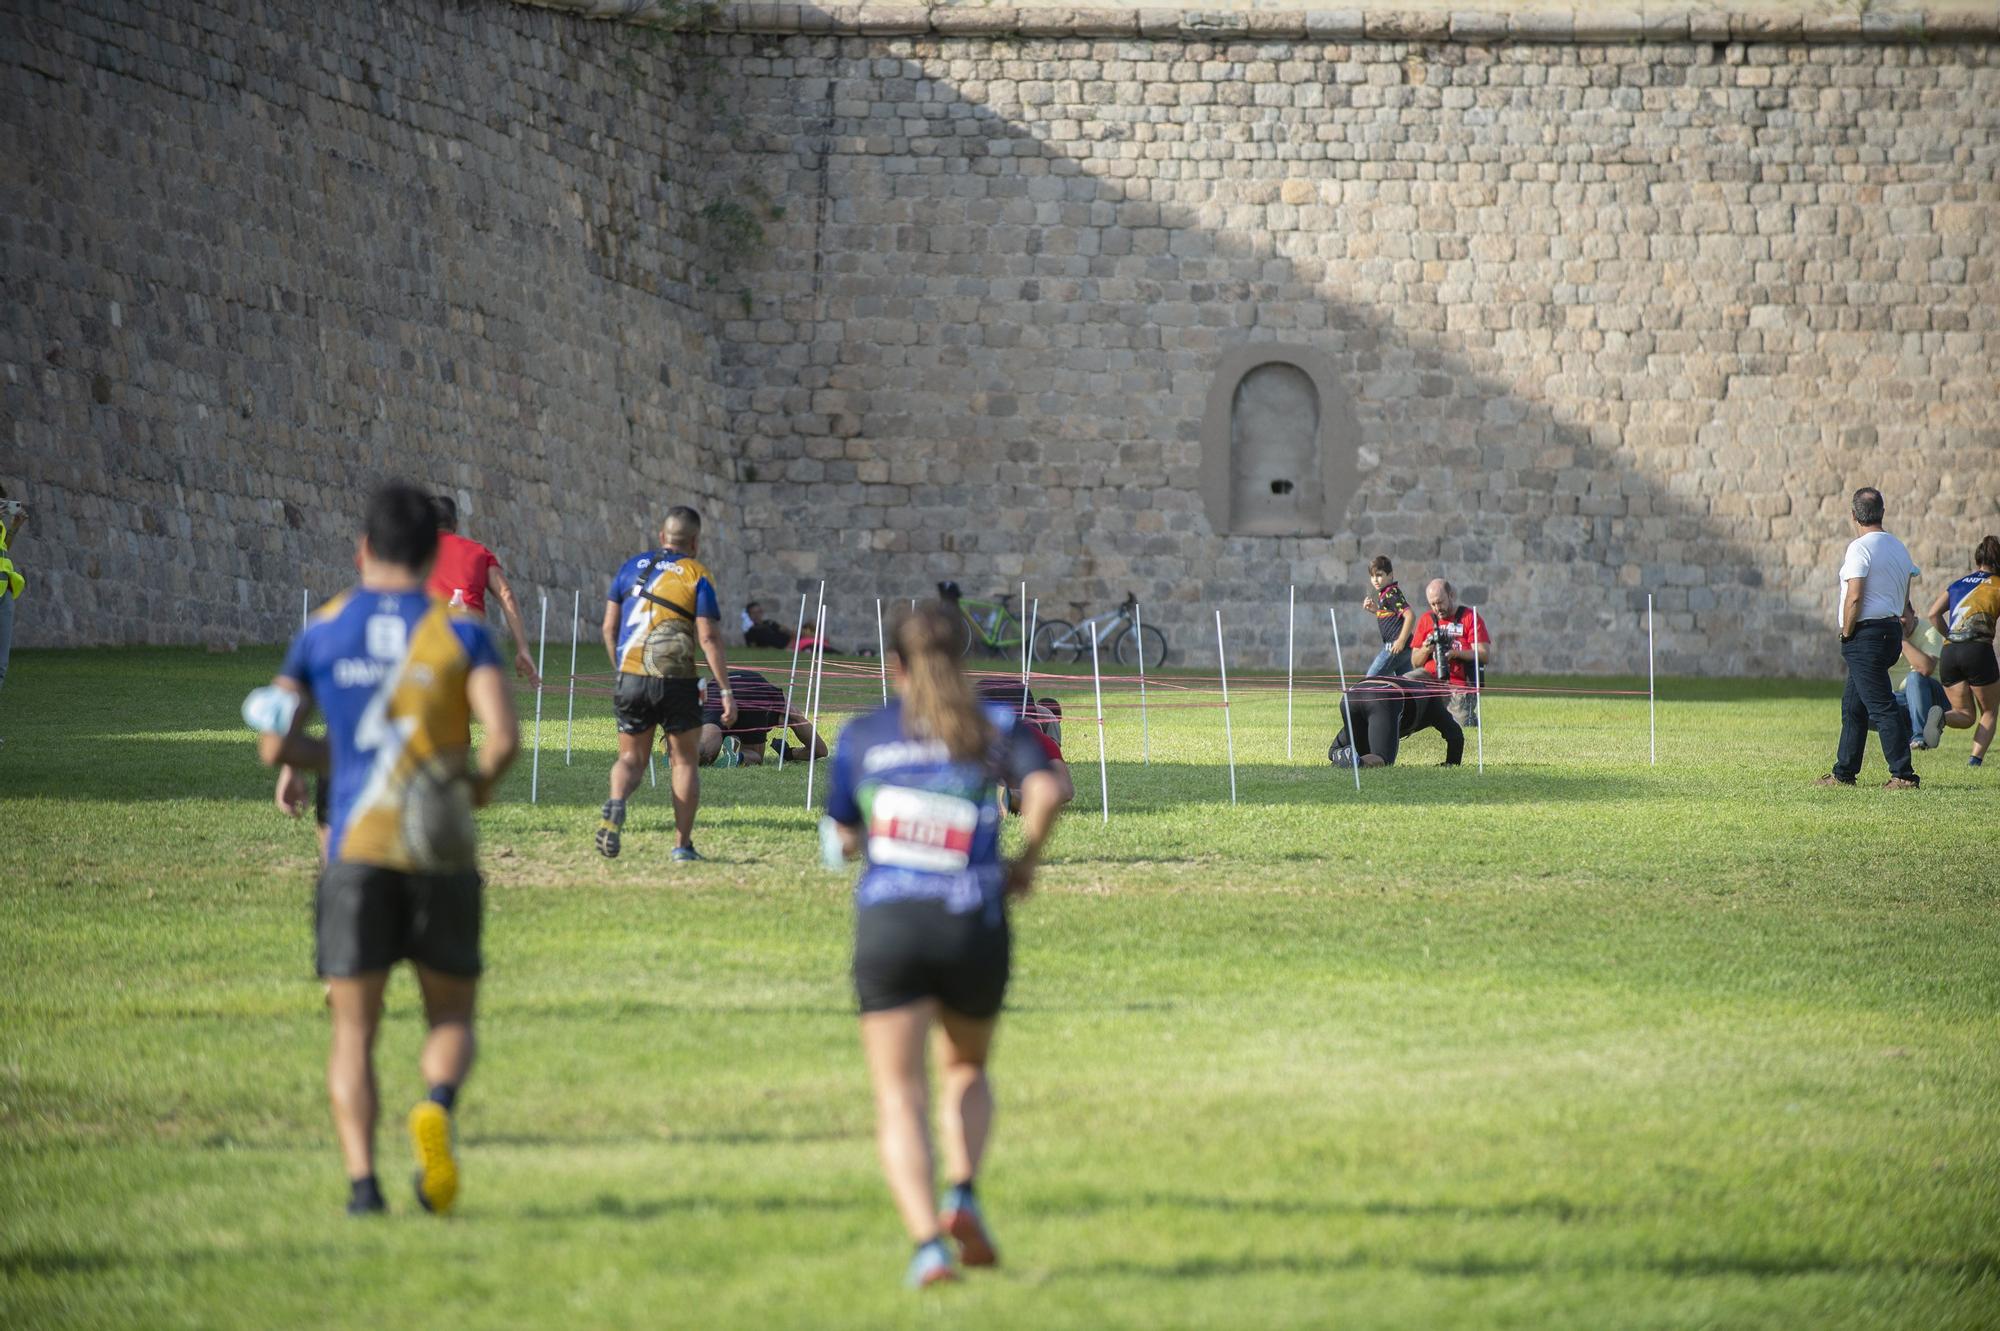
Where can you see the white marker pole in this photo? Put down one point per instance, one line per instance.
(794, 677)
(1145, 735)
(882, 651)
(575, 626)
(1478, 709)
(1340, 664)
(1291, 621)
(1652, 713)
(305, 606)
(1024, 654)
(1228, 734)
(1103, 772)
(815, 682)
(1027, 663)
(535, 763)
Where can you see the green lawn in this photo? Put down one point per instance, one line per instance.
(1575, 1042)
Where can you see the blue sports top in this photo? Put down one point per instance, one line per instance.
(389, 670)
(931, 821)
(659, 595)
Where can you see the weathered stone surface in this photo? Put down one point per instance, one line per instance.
(486, 246)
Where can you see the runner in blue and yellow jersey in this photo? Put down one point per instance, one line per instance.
(660, 611)
(400, 677)
(1967, 614)
(914, 791)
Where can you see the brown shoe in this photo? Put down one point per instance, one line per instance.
(1899, 783)
(1831, 780)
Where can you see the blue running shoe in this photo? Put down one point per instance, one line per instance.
(732, 752)
(930, 1266)
(961, 1218)
(686, 855)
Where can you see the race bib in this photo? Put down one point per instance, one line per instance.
(921, 829)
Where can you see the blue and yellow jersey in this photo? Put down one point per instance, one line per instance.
(659, 596)
(1972, 607)
(389, 670)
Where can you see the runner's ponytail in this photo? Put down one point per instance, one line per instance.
(937, 699)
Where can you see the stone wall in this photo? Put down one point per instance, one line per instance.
(1614, 318)
(1607, 316)
(258, 257)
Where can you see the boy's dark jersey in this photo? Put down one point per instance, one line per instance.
(1390, 603)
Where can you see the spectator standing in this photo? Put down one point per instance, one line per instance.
(1448, 638)
(1875, 576)
(1394, 616)
(465, 571)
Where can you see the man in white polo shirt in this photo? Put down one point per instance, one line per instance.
(1875, 579)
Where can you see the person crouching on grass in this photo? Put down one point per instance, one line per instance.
(400, 678)
(913, 792)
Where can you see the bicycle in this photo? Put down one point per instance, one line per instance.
(989, 625)
(1117, 630)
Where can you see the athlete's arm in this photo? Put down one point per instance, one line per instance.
(803, 730)
(493, 707)
(612, 612)
(1936, 613)
(710, 633)
(290, 795)
(1065, 783)
(1041, 799)
(1409, 617)
(524, 664)
(294, 748)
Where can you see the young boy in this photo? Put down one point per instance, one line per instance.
(1393, 616)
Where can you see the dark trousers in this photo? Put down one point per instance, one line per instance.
(766, 634)
(1868, 700)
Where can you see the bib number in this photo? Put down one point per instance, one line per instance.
(922, 830)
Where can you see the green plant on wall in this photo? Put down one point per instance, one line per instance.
(733, 229)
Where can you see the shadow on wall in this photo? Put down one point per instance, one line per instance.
(1013, 286)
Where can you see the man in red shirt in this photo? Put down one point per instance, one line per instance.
(1446, 641)
(465, 570)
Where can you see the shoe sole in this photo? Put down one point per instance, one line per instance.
(937, 1275)
(607, 843)
(437, 1171)
(975, 1247)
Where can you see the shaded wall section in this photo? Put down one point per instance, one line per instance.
(258, 257)
(1613, 318)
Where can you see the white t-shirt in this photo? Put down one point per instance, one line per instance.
(1885, 566)
(748, 623)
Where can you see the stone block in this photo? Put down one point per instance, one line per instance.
(1478, 26)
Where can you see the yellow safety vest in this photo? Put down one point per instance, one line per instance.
(13, 580)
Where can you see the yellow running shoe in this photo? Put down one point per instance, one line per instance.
(437, 1169)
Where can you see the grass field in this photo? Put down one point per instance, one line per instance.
(1572, 1043)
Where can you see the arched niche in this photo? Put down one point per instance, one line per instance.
(1279, 444)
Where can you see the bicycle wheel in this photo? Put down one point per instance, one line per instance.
(1055, 640)
(1127, 647)
(971, 635)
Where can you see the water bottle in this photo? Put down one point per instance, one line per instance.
(269, 710)
(458, 598)
(831, 854)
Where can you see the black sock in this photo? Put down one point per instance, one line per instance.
(444, 1095)
(364, 1192)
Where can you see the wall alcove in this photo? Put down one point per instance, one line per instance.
(1279, 444)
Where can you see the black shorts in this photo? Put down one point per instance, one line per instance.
(367, 918)
(643, 702)
(906, 951)
(1968, 663)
